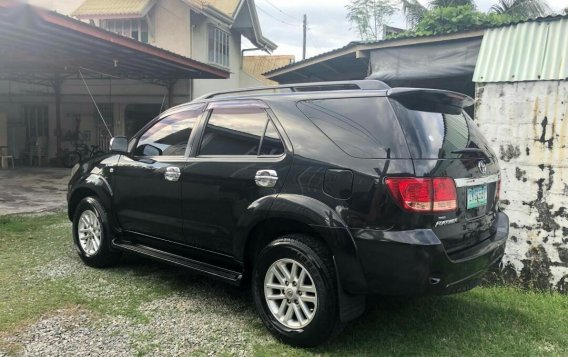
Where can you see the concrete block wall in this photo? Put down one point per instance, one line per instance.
(527, 125)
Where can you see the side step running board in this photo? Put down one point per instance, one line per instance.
(230, 276)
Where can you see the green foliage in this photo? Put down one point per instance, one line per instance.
(454, 19)
(368, 17)
(522, 8)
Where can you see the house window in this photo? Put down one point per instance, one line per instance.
(133, 28)
(218, 47)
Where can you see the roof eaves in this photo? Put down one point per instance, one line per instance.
(350, 47)
(70, 23)
(259, 40)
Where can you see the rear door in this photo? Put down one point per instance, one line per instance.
(444, 142)
(147, 182)
(242, 156)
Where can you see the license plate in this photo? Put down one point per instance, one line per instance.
(476, 196)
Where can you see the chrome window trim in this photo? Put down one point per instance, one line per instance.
(468, 182)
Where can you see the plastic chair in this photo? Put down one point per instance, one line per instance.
(5, 157)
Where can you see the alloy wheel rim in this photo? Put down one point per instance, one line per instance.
(89, 232)
(290, 293)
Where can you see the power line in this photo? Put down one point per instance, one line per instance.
(275, 18)
(315, 41)
(281, 11)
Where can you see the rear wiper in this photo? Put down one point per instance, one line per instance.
(472, 151)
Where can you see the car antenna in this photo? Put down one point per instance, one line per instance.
(95, 103)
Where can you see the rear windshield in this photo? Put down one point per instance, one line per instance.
(362, 127)
(434, 135)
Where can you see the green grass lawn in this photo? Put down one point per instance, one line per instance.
(40, 273)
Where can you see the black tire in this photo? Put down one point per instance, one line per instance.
(71, 158)
(104, 256)
(315, 257)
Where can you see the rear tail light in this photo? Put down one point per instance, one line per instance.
(424, 195)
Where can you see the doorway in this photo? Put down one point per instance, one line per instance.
(138, 115)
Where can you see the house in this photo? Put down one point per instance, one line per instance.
(63, 71)
(209, 31)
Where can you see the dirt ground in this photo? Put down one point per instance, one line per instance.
(32, 190)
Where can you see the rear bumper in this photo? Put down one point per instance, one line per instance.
(416, 263)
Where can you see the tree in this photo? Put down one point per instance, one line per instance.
(368, 17)
(522, 8)
(415, 11)
(456, 18)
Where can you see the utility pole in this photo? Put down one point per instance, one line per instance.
(305, 31)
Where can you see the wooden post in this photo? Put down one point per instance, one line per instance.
(57, 90)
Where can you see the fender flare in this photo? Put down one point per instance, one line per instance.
(324, 220)
(96, 184)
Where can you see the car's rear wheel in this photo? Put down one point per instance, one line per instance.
(92, 234)
(295, 290)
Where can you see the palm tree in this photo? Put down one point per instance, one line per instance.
(415, 11)
(522, 8)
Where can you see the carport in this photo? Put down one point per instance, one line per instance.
(444, 61)
(47, 57)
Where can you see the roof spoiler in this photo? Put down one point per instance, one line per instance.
(431, 100)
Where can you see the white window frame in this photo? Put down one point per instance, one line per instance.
(125, 27)
(219, 51)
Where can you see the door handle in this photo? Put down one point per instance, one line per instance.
(266, 178)
(172, 173)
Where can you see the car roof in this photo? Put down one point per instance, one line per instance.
(330, 90)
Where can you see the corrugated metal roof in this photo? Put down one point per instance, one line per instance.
(529, 51)
(93, 9)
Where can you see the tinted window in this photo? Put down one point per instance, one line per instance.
(233, 131)
(271, 143)
(437, 135)
(362, 127)
(169, 136)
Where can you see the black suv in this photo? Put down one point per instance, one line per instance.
(317, 194)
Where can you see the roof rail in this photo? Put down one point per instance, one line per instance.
(306, 87)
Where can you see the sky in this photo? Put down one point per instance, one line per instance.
(328, 29)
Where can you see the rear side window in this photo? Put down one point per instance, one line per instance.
(435, 135)
(271, 143)
(362, 127)
(240, 132)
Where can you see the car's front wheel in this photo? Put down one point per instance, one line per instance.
(295, 291)
(92, 234)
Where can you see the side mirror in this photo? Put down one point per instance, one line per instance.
(119, 144)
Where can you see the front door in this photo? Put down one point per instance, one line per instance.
(240, 142)
(148, 181)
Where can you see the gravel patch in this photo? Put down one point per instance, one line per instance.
(178, 325)
(72, 333)
(213, 324)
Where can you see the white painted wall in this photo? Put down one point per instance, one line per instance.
(527, 124)
(172, 30)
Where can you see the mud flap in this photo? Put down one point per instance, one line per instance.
(350, 306)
